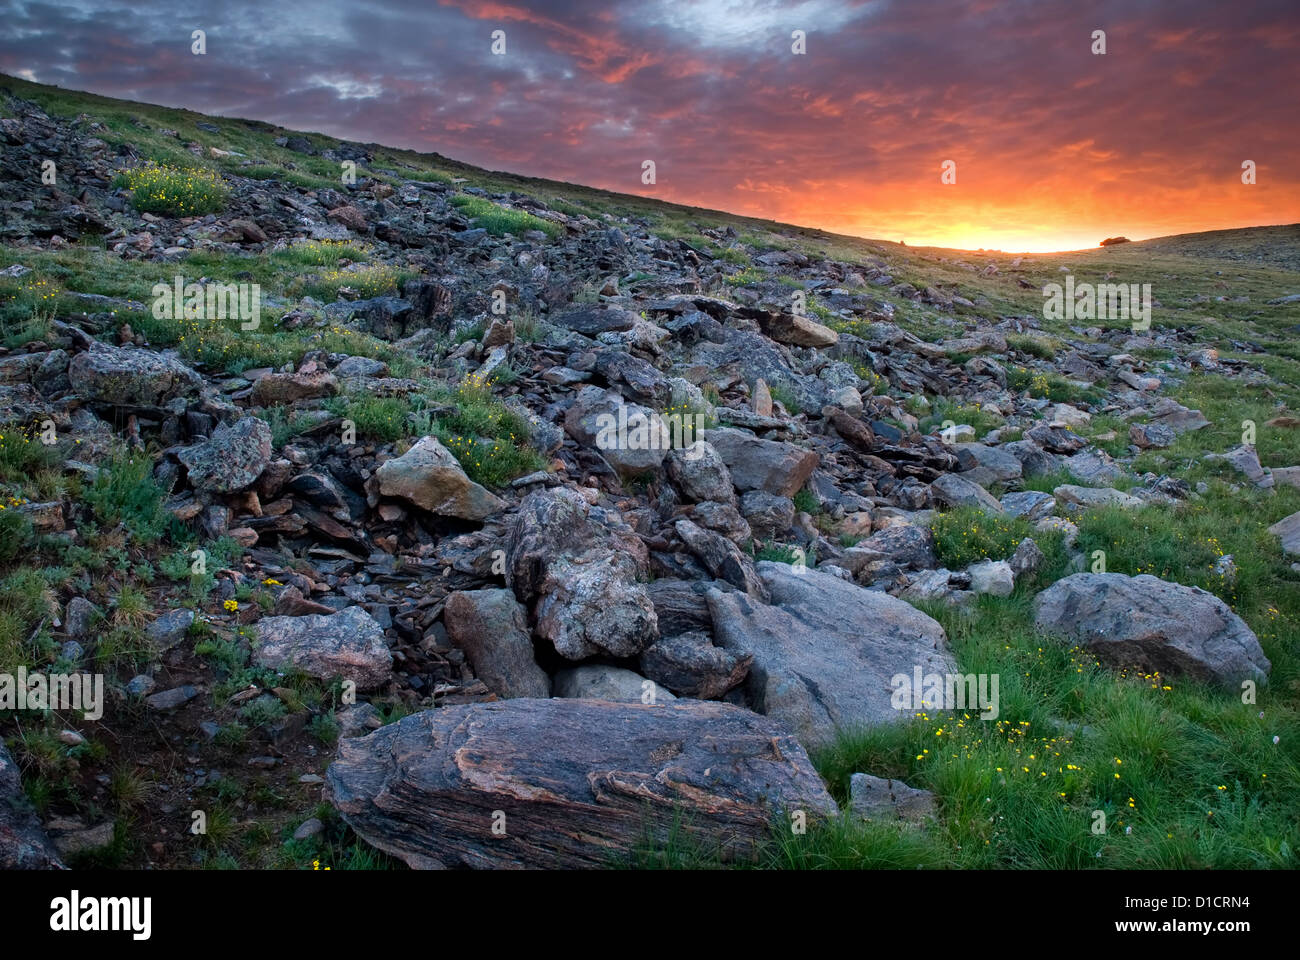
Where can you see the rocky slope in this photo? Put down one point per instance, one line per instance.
(399, 493)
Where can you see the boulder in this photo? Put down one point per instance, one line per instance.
(1288, 531)
(756, 464)
(580, 570)
(1093, 467)
(983, 465)
(1150, 436)
(722, 558)
(275, 389)
(633, 439)
(769, 516)
(691, 666)
(348, 644)
(599, 681)
(591, 321)
(1149, 624)
(907, 544)
(825, 650)
(1030, 504)
(491, 626)
(875, 798)
(1034, 460)
(952, 490)
(169, 629)
(700, 474)
(1170, 413)
(429, 476)
(574, 783)
(232, 459)
(994, 577)
(797, 330)
(129, 376)
(1083, 497)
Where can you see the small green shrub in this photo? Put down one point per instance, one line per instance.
(172, 191)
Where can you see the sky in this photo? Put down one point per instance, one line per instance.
(1052, 146)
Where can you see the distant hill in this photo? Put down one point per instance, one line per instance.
(1277, 246)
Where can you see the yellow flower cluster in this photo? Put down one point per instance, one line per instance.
(368, 282)
(172, 191)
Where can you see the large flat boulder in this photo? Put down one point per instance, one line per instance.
(130, 376)
(592, 321)
(570, 783)
(1150, 624)
(825, 650)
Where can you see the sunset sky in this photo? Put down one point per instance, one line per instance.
(1055, 147)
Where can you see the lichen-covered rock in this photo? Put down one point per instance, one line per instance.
(348, 644)
(129, 376)
(232, 459)
(581, 574)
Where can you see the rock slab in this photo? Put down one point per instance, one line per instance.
(581, 783)
(825, 650)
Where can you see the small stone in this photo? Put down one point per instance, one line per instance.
(140, 685)
(173, 698)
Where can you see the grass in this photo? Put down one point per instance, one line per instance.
(487, 438)
(967, 535)
(1053, 386)
(376, 418)
(320, 253)
(499, 221)
(944, 410)
(125, 492)
(374, 280)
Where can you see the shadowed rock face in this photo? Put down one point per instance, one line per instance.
(491, 626)
(581, 783)
(1152, 625)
